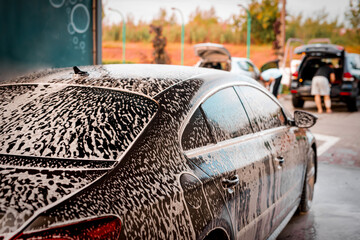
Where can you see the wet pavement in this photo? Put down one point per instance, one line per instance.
(335, 213)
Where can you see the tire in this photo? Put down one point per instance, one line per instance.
(351, 104)
(309, 183)
(217, 234)
(297, 102)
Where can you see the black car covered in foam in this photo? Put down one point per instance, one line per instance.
(149, 152)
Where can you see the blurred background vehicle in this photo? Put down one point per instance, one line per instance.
(344, 89)
(354, 68)
(218, 57)
(244, 66)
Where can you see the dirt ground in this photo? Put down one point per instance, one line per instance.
(142, 53)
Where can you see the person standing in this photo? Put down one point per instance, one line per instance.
(320, 86)
(272, 78)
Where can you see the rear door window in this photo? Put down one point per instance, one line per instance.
(226, 115)
(263, 111)
(196, 133)
(221, 117)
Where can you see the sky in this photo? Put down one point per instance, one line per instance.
(147, 9)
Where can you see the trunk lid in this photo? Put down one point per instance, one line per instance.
(320, 49)
(56, 140)
(211, 52)
(27, 189)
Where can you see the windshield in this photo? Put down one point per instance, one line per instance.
(70, 121)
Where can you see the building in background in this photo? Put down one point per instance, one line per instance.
(48, 34)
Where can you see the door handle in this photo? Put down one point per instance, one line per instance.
(230, 182)
(281, 160)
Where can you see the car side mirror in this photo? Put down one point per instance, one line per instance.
(304, 119)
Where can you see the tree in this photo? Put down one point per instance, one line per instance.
(197, 30)
(276, 44)
(314, 27)
(353, 15)
(263, 16)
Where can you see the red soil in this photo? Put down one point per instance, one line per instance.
(142, 53)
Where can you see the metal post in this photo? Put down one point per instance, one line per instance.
(123, 39)
(123, 32)
(282, 34)
(182, 34)
(248, 30)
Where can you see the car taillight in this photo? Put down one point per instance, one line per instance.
(295, 75)
(348, 77)
(294, 91)
(100, 228)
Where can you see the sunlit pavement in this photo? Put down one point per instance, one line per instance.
(335, 213)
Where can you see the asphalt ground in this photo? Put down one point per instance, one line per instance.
(335, 213)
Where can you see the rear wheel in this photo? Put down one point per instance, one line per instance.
(297, 102)
(217, 234)
(351, 104)
(309, 183)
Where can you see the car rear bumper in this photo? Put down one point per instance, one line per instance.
(339, 93)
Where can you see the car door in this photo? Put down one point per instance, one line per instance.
(235, 158)
(285, 144)
(268, 65)
(253, 69)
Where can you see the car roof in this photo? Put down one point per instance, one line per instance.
(146, 79)
(320, 48)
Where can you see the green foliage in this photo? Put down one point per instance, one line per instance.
(115, 62)
(320, 27)
(353, 14)
(263, 16)
(309, 28)
(196, 30)
(134, 33)
(205, 26)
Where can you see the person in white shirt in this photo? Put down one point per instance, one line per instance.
(272, 78)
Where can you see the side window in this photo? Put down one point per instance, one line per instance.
(226, 115)
(264, 111)
(243, 65)
(196, 133)
(250, 67)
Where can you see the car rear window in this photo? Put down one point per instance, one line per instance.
(70, 121)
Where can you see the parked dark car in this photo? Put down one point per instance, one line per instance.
(344, 89)
(150, 152)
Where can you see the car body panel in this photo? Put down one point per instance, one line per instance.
(235, 157)
(286, 159)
